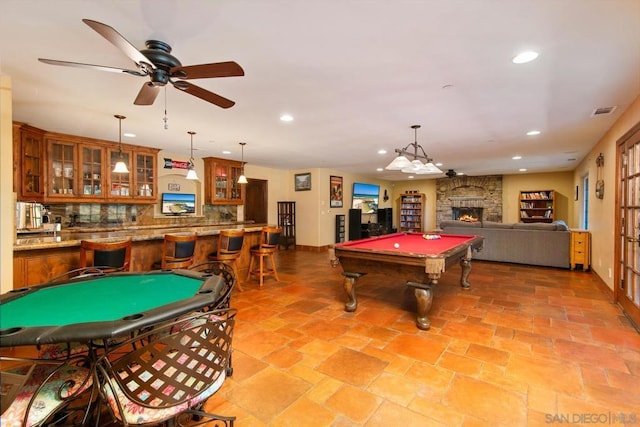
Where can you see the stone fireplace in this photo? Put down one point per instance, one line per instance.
(469, 198)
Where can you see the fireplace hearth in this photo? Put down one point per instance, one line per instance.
(469, 198)
(466, 214)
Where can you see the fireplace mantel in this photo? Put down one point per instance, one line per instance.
(467, 202)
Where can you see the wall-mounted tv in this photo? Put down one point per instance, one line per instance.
(178, 204)
(365, 197)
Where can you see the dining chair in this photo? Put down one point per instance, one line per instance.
(264, 253)
(170, 376)
(229, 250)
(178, 251)
(107, 256)
(38, 392)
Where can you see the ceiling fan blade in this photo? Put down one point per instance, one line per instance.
(147, 95)
(204, 94)
(120, 42)
(203, 71)
(95, 67)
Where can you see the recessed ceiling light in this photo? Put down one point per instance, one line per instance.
(516, 157)
(286, 118)
(382, 151)
(410, 177)
(522, 170)
(379, 169)
(129, 135)
(459, 173)
(438, 164)
(226, 152)
(525, 57)
(533, 133)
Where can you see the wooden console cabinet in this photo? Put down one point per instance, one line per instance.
(580, 252)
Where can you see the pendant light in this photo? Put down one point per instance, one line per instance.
(120, 166)
(402, 162)
(242, 179)
(192, 167)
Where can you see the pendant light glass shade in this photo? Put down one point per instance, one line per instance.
(120, 166)
(242, 179)
(191, 174)
(415, 151)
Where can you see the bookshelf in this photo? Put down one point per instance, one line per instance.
(340, 220)
(411, 212)
(537, 206)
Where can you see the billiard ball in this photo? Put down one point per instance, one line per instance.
(396, 245)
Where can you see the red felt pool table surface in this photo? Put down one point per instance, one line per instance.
(413, 243)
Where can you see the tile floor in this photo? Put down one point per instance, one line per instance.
(525, 346)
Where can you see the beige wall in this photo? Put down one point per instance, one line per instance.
(602, 212)
(7, 197)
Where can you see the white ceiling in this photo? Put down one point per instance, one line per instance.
(354, 74)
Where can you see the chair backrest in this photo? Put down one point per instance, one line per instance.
(219, 268)
(178, 250)
(230, 241)
(171, 368)
(107, 256)
(270, 237)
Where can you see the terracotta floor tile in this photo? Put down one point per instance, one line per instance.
(442, 414)
(416, 347)
(488, 354)
(590, 354)
(546, 373)
(354, 403)
(352, 367)
(460, 364)
(260, 343)
(516, 321)
(391, 414)
(304, 412)
(395, 388)
(283, 358)
(487, 402)
(472, 333)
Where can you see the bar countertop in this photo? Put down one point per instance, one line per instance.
(72, 237)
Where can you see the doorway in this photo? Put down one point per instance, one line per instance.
(256, 206)
(627, 257)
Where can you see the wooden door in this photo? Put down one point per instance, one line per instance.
(256, 201)
(627, 277)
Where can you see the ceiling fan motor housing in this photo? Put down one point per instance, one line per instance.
(159, 53)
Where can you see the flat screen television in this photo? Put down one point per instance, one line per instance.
(365, 197)
(178, 203)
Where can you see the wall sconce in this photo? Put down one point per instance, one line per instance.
(599, 177)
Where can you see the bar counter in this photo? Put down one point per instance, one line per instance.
(38, 258)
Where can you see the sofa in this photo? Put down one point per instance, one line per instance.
(543, 244)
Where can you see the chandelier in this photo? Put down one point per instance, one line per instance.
(191, 174)
(402, 162)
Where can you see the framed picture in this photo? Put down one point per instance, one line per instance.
(173, 187)
(303, 181)
(335, 191)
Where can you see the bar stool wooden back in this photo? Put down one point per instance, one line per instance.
(178, 251)
(269, 241)
(107, 256)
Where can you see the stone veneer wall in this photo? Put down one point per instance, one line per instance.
(487, 187)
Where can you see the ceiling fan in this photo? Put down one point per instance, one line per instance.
(161, 67)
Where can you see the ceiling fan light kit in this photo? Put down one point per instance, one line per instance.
(120, 166)
(415, 166)
(158, 64)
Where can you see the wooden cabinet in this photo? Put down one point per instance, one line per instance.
(580, 252)
(537, 206)
(411, 212)
(340, 220)
(221, 182)
(287, 221)
(29, 158)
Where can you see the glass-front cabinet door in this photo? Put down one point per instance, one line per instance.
(145, 168)
(62, 182)
(235, 189)
(92, 170)
(120, 183)
(29, 153)
(221, 181)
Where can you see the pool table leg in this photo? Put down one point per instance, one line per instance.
(465, 263)
(424, 299)
(349, 284)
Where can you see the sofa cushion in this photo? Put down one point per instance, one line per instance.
(535, 226)
(493, 224)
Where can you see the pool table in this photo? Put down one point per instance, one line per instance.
(418, 258)
(101, 307)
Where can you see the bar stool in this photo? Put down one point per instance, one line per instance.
(229, 250)
(178, 251)
(268, 245)
(108, 256)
